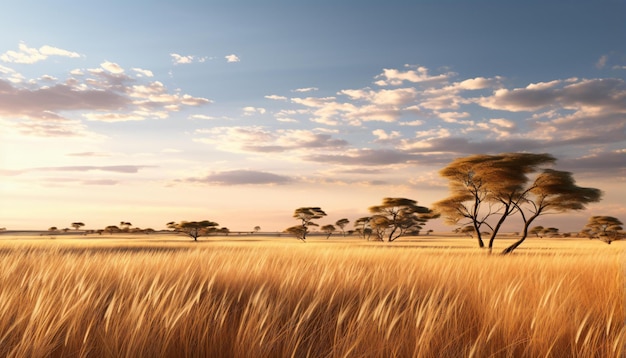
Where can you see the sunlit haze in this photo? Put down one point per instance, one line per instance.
(239, 112)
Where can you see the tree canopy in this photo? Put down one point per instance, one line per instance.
(396, 217)
(194, 229)
(487, 189)
(306, 215)
(605, 228)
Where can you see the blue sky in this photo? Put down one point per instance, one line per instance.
(157, 111)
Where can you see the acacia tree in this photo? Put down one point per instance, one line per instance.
(362, 226)
(341, 223)
(605, 228)
(328, 229)
(77, 225)
(552, 191)
(306, 215)
(194, 229)
(536, 230)
(487, 189)
(396, 217)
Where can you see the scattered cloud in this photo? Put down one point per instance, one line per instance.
(601, 63)
(276, 97)
(106, 94)
(30, 55)
(180, 59)
(201, 116)
(232, 58)
(305, 89)
(259, 139)
(142, 72)
(242, 177)
(248, 111)
(394, 77)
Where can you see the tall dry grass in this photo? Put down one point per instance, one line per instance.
(59, 299)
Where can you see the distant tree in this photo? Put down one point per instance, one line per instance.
(487, 189)
(397, 216)
(125, 226)
(224, 231)
(536, 230)
(112, 229)
(149, 231)
(194, 229)
(341, 223)
(298, 231)
(362, 227)
(66, 229)
(550, 231)
(466, 230)
(306, 215)
(53, 229)
(605, 228)
(328, 229)
(257, 229)
(428, 232)
(77, 225)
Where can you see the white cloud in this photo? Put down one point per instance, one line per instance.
(31, 55)
(112, 67)
(383, 136)
(394, 77)
(306, 89)
(232, 58)
(276, 97)
(502, 122)
(179, 59)
(142, 72)
(248, 111)
(201, 116)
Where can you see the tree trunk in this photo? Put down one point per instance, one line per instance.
(510, 249)
(481, 244)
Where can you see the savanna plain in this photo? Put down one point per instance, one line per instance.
(263, 296)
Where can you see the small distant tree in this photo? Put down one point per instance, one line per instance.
(298, 231)
(77, 225)
(428, 232)
(53, 229)
(536, 230)
(328, 229)
(125, 226)
(397, 216)
(362, 227)
(605, 228)
(194, 229)
(257, 229)
(224, 231)
(466, 230)
(306, 215)
(112, 229)
(341, 223)
(550, 231)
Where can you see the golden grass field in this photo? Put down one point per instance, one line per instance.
(428, 296)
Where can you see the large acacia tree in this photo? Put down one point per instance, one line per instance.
(306, 215)
(485, 190)
(396, 217)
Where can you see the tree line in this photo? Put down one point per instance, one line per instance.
(485, 191)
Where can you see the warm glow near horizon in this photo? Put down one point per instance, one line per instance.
(239, 113)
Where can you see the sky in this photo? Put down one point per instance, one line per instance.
(239, 112)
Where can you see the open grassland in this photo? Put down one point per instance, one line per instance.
(276, 297)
